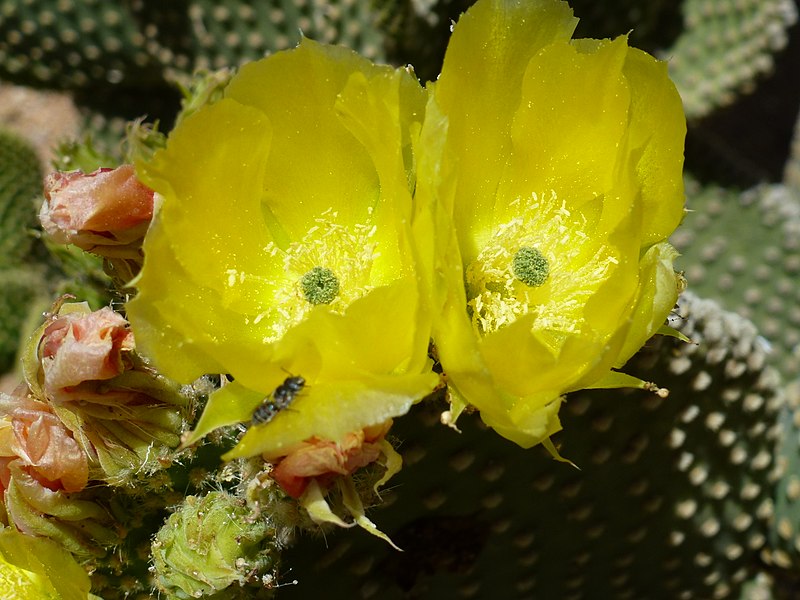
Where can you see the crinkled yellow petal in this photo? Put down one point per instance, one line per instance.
(211, 178)
(568, 132)
(316, 162)
(369, 109)
(656, 296)
(657, 131)
(480, 88)
(378, 333)
(204, 278)
(173, 318)
(533, 421)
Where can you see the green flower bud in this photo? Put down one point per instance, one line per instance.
(214, 543)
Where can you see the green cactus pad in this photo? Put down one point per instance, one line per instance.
(783, 551)
(19, 290)
(213, 34)
(72, 44)
(725, 46)
(743, 250)
(20, 186)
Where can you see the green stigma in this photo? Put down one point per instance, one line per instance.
(530, 266)
(320, 286)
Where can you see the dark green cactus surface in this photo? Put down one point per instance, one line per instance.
(20, 186)
(73, 44)
(19, 290)
(724, 47)
(214, 34)
(744, 250)
(783, 551)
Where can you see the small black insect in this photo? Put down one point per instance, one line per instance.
(281, 398)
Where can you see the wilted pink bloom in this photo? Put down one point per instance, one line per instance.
(324, 460)
(34, 440)
(106, 212)
(83, 346)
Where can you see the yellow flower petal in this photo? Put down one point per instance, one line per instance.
(656, 296)
(654, 103)
(552, 149)
(200, 283)
(479, 87)
(34, 568)
(331, 410)
(315, 160)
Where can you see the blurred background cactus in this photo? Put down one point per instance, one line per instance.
(695, 496)
(20, 188)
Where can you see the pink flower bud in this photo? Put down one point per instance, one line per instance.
(79, 346)
(324, 460)
(106, 212)
(123, 414)
(35, 440)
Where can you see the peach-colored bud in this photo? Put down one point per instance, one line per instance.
(125, 416)
(35, 440)
(78, 347)
(106, 212)
(324, 460)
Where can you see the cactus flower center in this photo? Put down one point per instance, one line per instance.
(543, 261)
(347, 251)
(320, 285)
(530, 266)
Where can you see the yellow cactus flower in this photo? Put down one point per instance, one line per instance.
(282, 247)
(552, 170)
